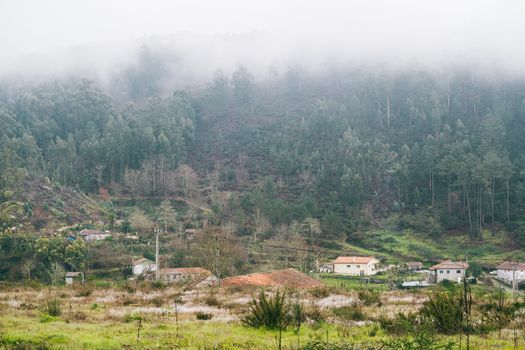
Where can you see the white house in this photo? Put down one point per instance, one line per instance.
(449, 270)
(356, 265)
(94, 235)
(143, 266)
(72, 276)
(509, 270)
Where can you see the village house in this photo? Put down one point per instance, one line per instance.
(94, 235)
(413, 265)
(448, 270)
(71, 277)
(356, 265)
(179, 274)
(143, 266)
(511, 271)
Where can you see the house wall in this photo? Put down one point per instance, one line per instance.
(356, 269)
(450, 274)
(506, 275)
(100, 237)
(144, 267)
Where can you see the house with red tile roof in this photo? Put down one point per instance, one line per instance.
(508, 271)
(356, 265)
(448, 270)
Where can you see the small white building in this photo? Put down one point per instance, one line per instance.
(71, 277)
(448, 270)
(143, 266)
(356, 265)
(510, 270)
(94, 235)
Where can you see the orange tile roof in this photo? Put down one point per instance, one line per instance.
(449, 264)
(354, 259)
(280, 278)
(511, 265)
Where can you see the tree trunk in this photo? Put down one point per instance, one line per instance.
(468, 209)
(448, 195)
(492, 205)
(508, 211)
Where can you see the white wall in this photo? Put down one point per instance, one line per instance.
(450, 274)
(356, 269)
(144, 267)
(506, 275)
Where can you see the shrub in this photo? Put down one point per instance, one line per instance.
(132, 316)
(443, 309)
(400, 324)
(211, 300)
(203, 316)
(349, 313)
(84, 292)
(320, 292)
(158, 285)
(158, 302)
(369, 297)
(313, 313)
(270, 312)
(52, 307)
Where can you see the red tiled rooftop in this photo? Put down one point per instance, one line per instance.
(511, 265)
(354, 259)
(449, 264)
(280, 278)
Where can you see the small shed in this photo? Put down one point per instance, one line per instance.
(71, 277)
(413, 265)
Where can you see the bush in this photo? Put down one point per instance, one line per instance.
(400, 324)
(158, 302)
(349, 313)
(369, 297)
(320, 292)
(158, 285)
(203, 316)
(52, 307)
(272, 312)
(211, 300)
(443, 309)
(130, 317)
(84, 292)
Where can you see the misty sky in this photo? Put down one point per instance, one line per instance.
(487, 33)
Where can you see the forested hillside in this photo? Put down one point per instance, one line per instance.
(333, 152)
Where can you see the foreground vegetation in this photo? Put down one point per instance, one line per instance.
(153, 316)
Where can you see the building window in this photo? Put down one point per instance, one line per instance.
(458, 271)
(448, 271)
(440, 271)
(349, 266)
(358, 266)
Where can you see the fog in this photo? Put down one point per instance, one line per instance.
(97, 39)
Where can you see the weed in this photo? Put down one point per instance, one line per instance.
(203, 316)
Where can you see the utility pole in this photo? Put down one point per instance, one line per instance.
(217, 258)
(157, 269)
(514, 278)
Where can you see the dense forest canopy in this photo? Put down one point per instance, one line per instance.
(342, 147)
